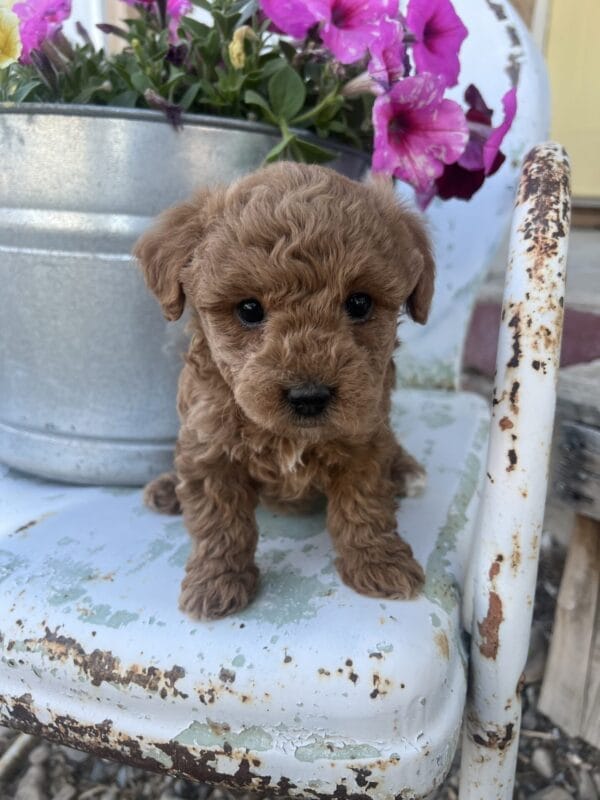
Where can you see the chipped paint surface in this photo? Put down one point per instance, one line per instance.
(266, 692)
(503, 581)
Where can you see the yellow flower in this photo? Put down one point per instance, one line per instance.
(10, 40)
(237, 54)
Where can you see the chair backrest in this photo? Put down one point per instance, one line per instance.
(498, 53)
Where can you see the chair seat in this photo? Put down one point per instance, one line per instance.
(313, 690)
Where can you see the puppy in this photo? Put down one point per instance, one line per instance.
(294, 277)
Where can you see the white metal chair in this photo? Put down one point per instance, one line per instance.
(313, 690)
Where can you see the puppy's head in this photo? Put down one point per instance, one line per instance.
(298, 276)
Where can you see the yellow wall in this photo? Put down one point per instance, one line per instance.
(573, 55)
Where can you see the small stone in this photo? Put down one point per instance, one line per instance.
(67, 792)
(123, 776)
(74, 756)
(31, 785)
(101, 772)
(585, 786)
(552, 793)
(529, 721)
(39, 755)
(541, 761)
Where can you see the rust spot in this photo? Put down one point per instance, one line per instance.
(441, 641)
(287, 659)
(490, 477)
(489, 627)
(496, 740)
(505, 424)
(514, 396)
(226, 675)
(515, 324)
(497, 9)
(515, 556)
(323, 671)
(512, 460)
(535, 364)
(377, 654)
(545, 178)
(495, 568)
(353, 677)
(520, 685)
(100, 666)
(362, 778)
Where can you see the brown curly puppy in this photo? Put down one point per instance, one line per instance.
(295, 277)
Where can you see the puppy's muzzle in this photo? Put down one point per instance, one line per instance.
(309, 399)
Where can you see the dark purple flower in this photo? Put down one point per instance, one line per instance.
(439, 34)
(417, 131)
(482, 156)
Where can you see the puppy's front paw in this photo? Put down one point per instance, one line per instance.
(214, 596)
(389, 571)
(159, 494)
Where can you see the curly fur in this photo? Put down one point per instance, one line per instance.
(300, 239)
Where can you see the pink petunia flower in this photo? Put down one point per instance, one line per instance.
(439, 34)
(292, 17)
(482, 156)
(417, 131)
(39, 19)
(349, 27)
(387, 62)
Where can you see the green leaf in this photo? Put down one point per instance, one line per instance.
(197, 29)
(280, 147)
(287, 93)
(312, 153)
(189, 96)
(140, 82)
(252, 98)
(24, 91)
(205, 4)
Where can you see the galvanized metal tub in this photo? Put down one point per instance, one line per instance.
(88, 366)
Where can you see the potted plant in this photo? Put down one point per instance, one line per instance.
(100, 143)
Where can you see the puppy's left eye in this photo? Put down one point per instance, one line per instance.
(358, 306)
(250, 312)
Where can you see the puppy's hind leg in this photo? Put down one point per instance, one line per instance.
(160, 494)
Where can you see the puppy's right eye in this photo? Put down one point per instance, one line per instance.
(250, 312)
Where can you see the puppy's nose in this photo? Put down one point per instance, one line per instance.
(309, 399)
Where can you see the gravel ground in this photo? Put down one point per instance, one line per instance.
(551, 765)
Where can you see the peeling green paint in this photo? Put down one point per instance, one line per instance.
(217, 734)
(435, 415)
(104, 615)
(67, 579)
(385, 647)
(150, 751)
(239, 661)
(180, 556)
(9, 563)
(440, 583)
(153, 551)
(286, 596)
(435, 620)
(294, 526)
(323, 749)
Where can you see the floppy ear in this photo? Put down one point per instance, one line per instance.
(419, 300)
(412, 240)
(166, 248)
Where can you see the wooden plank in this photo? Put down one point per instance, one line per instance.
(577, 468)
(569, 689)
(579, 394)
(591, 720)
